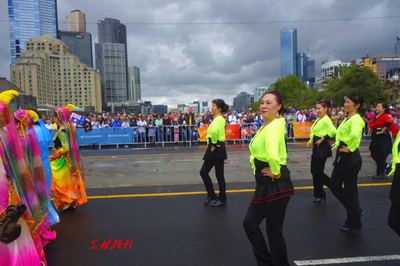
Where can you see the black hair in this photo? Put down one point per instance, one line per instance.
(279, 99)
(221, 105)
(325, 104)
(357, 98)
(384, 105)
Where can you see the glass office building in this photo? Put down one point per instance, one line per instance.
(311, 70)
(134, 84)
(80, 44)
(110, 61)
(301, 67)
(397, 46)
(30, 18)
(288, 51)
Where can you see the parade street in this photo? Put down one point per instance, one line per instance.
(145, 207)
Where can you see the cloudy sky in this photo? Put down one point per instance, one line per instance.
(182, 63)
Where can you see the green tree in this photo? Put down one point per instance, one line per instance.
(256, 106)
(289, 87)
(342, 71)
(361, 79)
(303, 99)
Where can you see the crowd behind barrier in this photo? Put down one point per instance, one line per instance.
(116, 129)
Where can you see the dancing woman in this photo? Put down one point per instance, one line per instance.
(348, 161)
(394, 213)
(273, 185)
(68, 187)
(17, 186)
(215, 155)
(321, 131)
(381, 142)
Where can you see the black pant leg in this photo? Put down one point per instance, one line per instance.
(219, 173)
(319, 177)
(380, 162)
(336, 186)
(353, 204)
(275, 215)
(394, 218)
(204, 173)
(255, 215)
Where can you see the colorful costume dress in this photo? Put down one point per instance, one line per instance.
(68, 179)
(17, 185)
(45, 141)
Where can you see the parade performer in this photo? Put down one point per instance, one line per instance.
(321, 131)
(68, 180)
(215, 155)
(381, 142)
(45, 141)
(348, 161)
(18, 187)
(394, 213)
(273, 185)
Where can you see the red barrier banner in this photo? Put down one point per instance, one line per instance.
(203, 133)
(302, 130)
(232, 132)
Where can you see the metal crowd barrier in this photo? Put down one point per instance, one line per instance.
(167, 134)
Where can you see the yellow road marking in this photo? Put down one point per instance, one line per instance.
(203, 192)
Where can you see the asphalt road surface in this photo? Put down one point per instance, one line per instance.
(145, 208)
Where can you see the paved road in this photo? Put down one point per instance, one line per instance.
(169, 225)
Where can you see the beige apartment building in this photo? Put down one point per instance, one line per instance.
(48, 71)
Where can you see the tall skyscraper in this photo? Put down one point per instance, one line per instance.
(288, 51)
(30, 18)
(134, 84)
(78, 41)
(311, 70)
(76, 21)
(397, 46)
(112, 60)
(301, 67)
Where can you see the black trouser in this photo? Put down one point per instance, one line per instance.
(274, 213)
(319, 177)
(348, 195)
(380, 160)
(394, 218)
(219, 173)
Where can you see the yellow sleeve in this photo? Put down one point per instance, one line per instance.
(357, 127)
(332, 129)
(273, 137)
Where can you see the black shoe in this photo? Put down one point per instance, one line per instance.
(319, 199)
(388, 169)
(361, 212)
(381, 176)
(209, 199)
(218, 203)
(344, 228)
(71, 207)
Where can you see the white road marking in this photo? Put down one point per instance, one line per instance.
(347, 260)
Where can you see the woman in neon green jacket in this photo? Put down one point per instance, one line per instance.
(215, 155)
(273, 185)
(321, 131)
(348, 161)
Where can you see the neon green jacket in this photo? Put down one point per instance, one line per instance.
(396, 155)
(322, 127)
(268, 145)
(216, 130)
(350, 132)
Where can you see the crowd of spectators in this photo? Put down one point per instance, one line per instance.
(179, 126)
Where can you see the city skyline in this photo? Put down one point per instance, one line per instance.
(183, 63)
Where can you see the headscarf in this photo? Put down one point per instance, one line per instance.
(16, 163)
(74, 156)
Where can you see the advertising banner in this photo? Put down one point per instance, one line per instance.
(302, 130)
(203, 133)
(232, 132)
